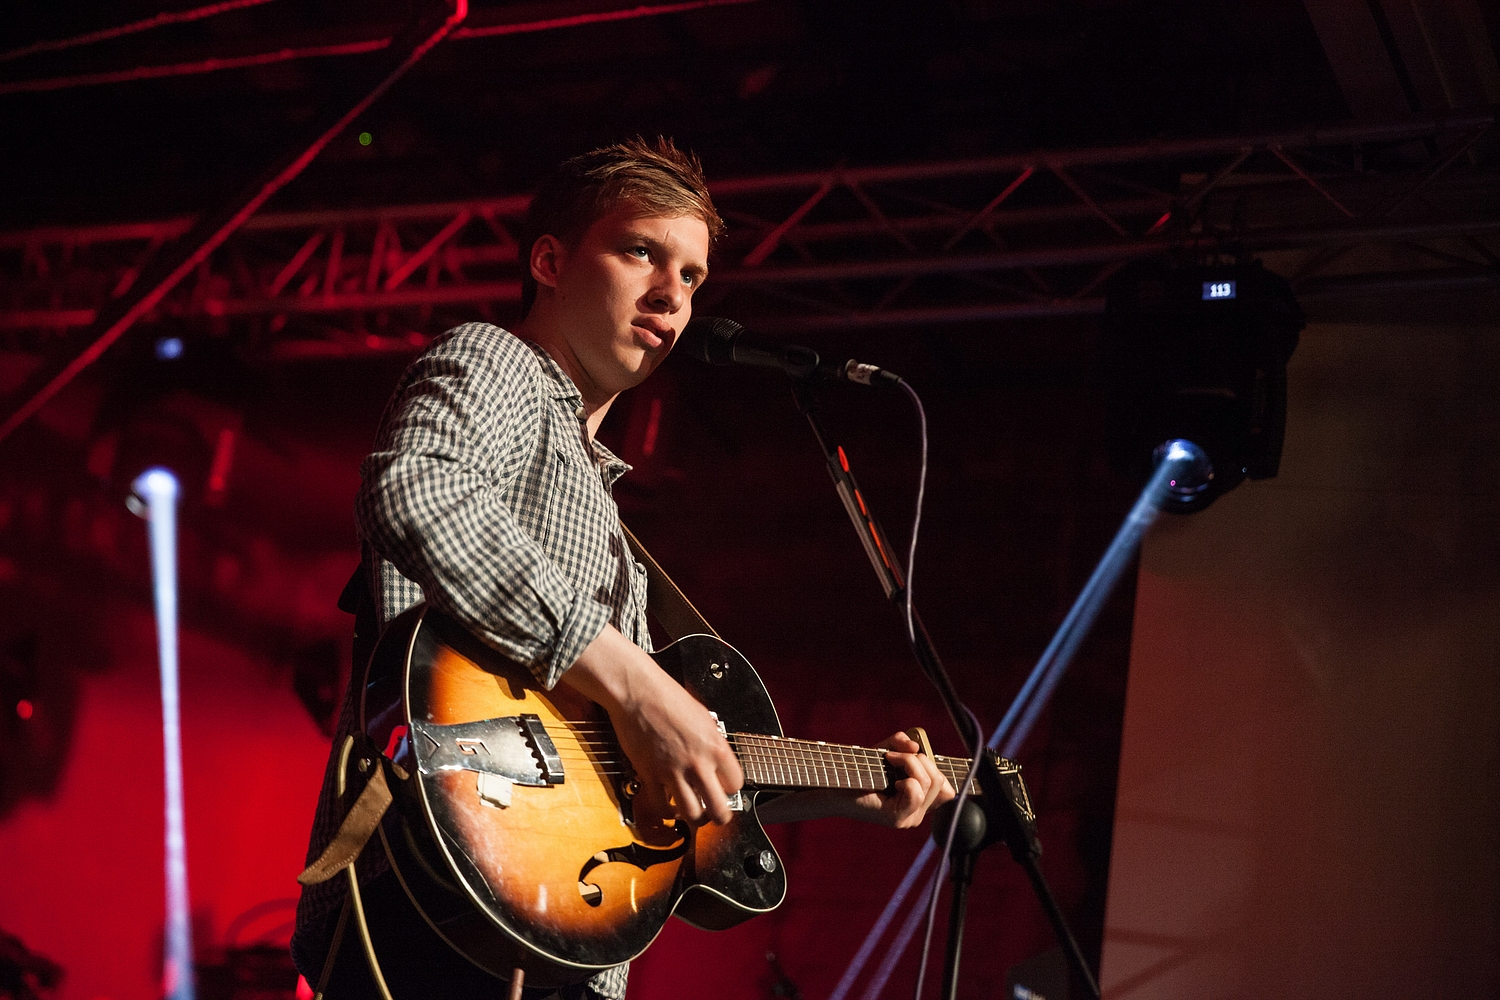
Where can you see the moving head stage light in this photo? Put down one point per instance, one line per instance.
(1200, 353)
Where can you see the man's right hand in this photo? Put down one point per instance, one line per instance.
(669, 736)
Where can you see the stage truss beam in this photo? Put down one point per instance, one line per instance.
(979, 239)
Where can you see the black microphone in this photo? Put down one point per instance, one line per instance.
(719, 341)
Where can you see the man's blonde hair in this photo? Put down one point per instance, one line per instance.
(656, 176)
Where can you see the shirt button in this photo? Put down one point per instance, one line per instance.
(579, 413)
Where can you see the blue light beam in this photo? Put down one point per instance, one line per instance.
(155, 499)
(1182, 471)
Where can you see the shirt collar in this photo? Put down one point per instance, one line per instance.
(611, 466)
(562, 385)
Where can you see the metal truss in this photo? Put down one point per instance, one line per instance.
(224, 55)
(1409, 205)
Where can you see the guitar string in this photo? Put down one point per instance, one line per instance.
(818, 754)
(809, 746)
(753, 760)
(799, 752)
(802, 763)
(775, 752)
(819, 764)
(849, 769)
(782, 755)
(606, 730)
(802, 755)
(774, 772)
(603, 729)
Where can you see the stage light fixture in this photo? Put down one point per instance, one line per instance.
(1200, 352)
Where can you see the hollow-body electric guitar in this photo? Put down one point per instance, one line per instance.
(521, 834)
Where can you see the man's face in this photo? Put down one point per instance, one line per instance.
(624, 293)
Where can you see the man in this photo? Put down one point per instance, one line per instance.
(488, 496)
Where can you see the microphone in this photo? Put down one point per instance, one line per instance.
(718, 341)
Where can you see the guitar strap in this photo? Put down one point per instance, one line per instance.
(359, 823)
(664, 599)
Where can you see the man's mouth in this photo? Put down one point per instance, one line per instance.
(653, 335)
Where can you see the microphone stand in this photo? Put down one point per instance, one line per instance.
(1002, 812)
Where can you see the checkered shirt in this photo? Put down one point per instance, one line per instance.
(486, 497)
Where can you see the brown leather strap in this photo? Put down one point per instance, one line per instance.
(360, 822)
(664, 599)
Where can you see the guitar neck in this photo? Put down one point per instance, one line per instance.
(781, 764)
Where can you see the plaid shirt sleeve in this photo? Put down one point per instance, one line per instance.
(447, 493)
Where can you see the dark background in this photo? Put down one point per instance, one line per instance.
(1022, 497)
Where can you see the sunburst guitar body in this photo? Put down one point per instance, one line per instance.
(520, 832)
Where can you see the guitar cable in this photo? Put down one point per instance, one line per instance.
(354, 902)
(916, 524)
(942, 866)
(364, 934)
(911, 636)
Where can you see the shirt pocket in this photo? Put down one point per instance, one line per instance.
(577, 525)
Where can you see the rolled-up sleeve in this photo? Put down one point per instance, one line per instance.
(453, 442)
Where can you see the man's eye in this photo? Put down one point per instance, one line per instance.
(689, 279)
(642, 252)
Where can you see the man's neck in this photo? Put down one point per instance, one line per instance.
(596, 402)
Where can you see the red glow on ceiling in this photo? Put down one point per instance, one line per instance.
(24, 709)
(212, 65)
(595, 17)
(156, 21)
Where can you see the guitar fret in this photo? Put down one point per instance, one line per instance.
(775, 761)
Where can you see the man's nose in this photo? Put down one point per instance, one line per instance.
(666, 292)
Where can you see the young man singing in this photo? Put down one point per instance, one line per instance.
(488, 496)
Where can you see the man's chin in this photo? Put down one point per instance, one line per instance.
(629, 373)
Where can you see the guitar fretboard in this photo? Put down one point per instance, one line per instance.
(776, 762)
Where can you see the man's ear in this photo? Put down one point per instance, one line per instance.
(548, 256)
